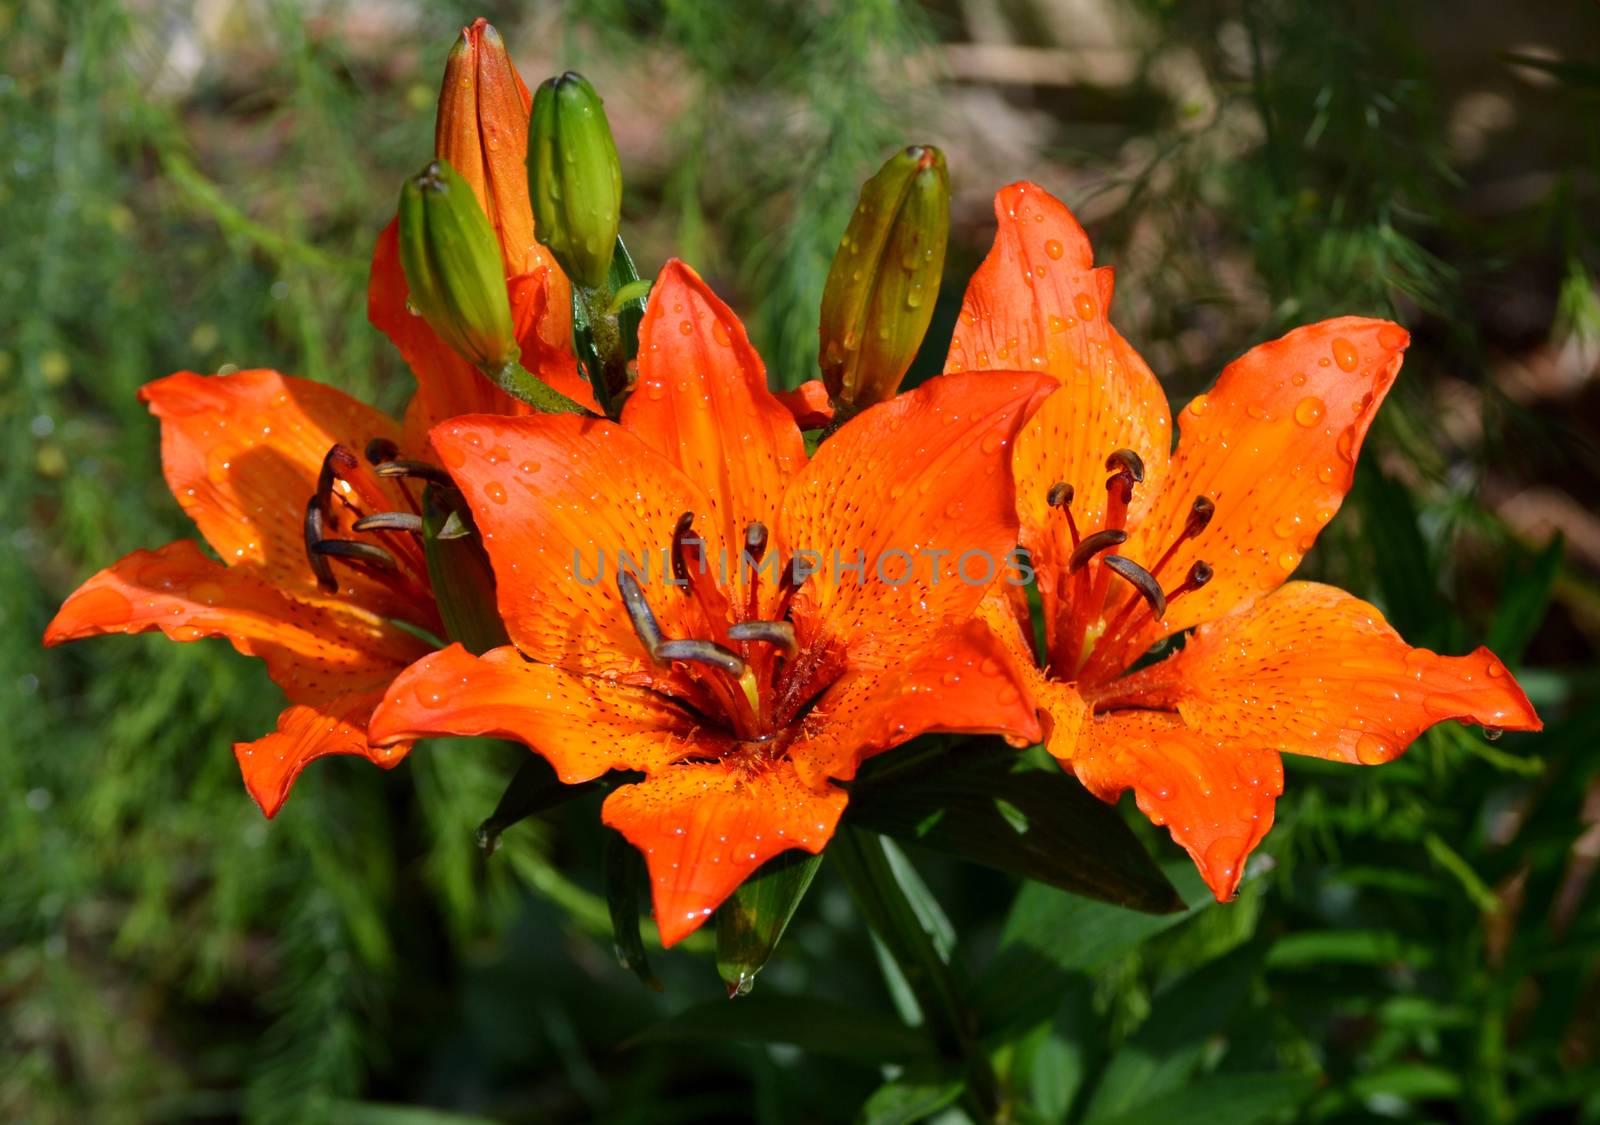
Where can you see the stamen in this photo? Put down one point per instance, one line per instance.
(1141, 580)
(314, 535)
(1200, 513)
(1199, 574)
(1129, 462)
(1093, 545)
(380, 450)
(755, 541)
(352, 551)
(419, 470)
(1060, 495)
(644, 622)
(702, 652)
(389, 521)
(779, 634)
(681, 541)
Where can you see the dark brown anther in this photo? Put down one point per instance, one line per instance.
(1093, 545)
(644, 621)
(389, 521)
(416, 470)
(1200, 513)
(1141, 580)
(381, 450)
(1060, 495)
(1127, 461)
(314, 532)
(1199, 574)
(755, 541)
(683, 541)
(332, 461)
(351, 551)
(702, 652)
(779, 634)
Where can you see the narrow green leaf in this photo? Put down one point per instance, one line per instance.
(752, 921)
(984, 803)
(916, 1095)
(459, 570)
(1525, 599)
(820, 1026)
(627, 892)
(1221, 1099)
(533, 789)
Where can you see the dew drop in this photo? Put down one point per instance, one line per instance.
(1054, 249)
(1309, 411)
(1344, 354)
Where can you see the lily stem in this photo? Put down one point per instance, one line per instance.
(520, 383)
(605, 329)
(860, 858)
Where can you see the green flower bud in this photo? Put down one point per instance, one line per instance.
(574, 178)
(884, 279)
(453, 270)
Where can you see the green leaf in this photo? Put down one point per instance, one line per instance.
(459, 570)
(922, 1091)
(533, 789)
(1050, 936)
(1310, 948)
(752, 921)
(627, 887)
(1222, 1099)
(1403, 562)
(622, 280)
(983, 803)
(819, 1026)
(1162, 1054)
(1524, 601)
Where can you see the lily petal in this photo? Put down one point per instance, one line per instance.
(271, 763)
(704, 828)
(966, 681)
(1274, 445)
(1313, 670)
(1037, 303)
(1215, 797)
(582, 725)
(315, 652)
(557, 497)
(703, 403)
(917, 489)
(242, 454)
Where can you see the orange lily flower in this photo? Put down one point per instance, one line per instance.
(244, 452)
(740, 692)
(1134, 542)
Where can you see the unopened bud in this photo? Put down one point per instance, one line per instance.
(452, 266)
(885, 278)
(574, 178)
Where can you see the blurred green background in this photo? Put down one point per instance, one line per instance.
(198, 185)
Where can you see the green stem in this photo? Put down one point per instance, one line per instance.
(605, 328)
(518, 382)
(860, 858)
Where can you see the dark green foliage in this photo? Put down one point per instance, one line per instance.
(201, 188)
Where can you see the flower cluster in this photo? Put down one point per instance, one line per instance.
(445, 573)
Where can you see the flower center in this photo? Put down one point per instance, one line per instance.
(753, 674)
(1084, 582)
(386, 546)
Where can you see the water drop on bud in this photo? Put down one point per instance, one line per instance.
(881, 288)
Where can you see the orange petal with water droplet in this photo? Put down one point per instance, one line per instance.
(271, 763)
(1037, 303)
(582, 725)
(242, 454)
(966, 681)
(1312, 670)
(1215, 797)
(315, 652)
(577, 493)
(702, 402)
(1276, 466)
(926, 472)
(704, 828)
